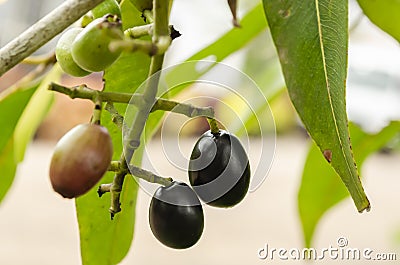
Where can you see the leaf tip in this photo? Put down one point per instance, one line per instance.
(366, 208)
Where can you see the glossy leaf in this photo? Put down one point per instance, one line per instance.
(311, 40)
(384, 14)
(321, 188)
(105, 241)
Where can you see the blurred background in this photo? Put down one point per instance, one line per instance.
(38, 227)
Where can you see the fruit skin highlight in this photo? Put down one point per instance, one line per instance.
(80, 159)
(176, 216)
(90, 49)
(219, 169)
(64, 55)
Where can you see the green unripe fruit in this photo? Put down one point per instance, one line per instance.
(219, 169)
(80, 159)
(90, 49)
(107, 7)
(142, 5)
(64, 56)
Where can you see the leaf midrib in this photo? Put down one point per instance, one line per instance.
(329, 95)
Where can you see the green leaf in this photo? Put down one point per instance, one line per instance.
(24, 108)
(106, 7)
(105, 241)
(12, 104)
(384, 14)
(8, 167)
(320, 187)
(34, 113)
(267, 74)
(252, 24)
(311, 40)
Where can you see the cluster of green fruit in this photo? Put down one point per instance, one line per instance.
(219, 173)
(81, 51)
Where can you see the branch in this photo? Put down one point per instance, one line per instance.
(149, 176)
(85, 92)
(139, 173)
(161, 31)
(188, 110)
(43, 31)
(115, 188)
(139, 31)
(146, 30)
(148, 47)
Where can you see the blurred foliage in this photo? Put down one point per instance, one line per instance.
(384, 14)
(321, 188)
(25, 105)
(13, 103)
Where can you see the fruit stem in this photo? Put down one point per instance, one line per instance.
(115, 191)
(147, 30)
(149, 176)
(43, 31)
(138, 31)
(213, 125)
(140, 173)
(135, 171)
(84, 92)
(188, 110)
(133, 45)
